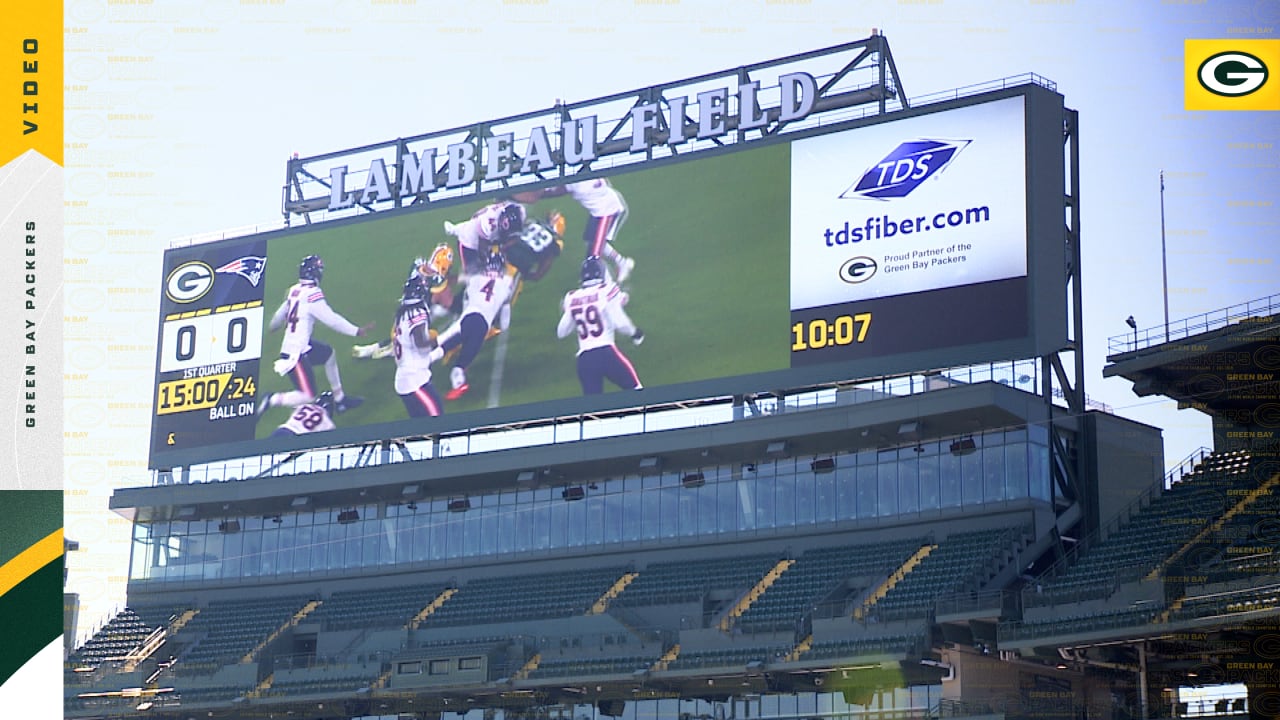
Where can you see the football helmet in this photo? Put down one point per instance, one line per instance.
(311, 268)
(592, 271)
(417, 289)
(555, 223)
(496, 262)
(326, 402)
(510, 220)
(440, 262)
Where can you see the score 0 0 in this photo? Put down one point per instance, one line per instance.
(206, 337)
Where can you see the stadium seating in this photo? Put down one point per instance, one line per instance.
(730, 657)
(226, 631)
(123, 634)
(528, 597)
(1153, 534)
(952, 567)
(688, 581)
(375, 608)
(817, 574)
(897, 645)
(590, 667)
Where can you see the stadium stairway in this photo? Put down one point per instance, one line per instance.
(528, 667)
(801, 648)
(667, 658)
(261, 687)
(602, 604)
(894, 578)
(744, 603)
(431, 608)
(294, 620)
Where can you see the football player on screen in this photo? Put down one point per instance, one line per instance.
(487, 295)
(303, 306)
(532, 251)
(413, 349)
(435, 271)
(493, 224)
(607, 211)
(595, 311)
(313, 416)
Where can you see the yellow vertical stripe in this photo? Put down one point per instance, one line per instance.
(30, 560)
(31, 73)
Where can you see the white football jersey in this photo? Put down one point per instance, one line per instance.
(597, 197)
(595, 312)
(308, 418)
(413, 367)
(483, 225)
(486, 294)
(302, 307)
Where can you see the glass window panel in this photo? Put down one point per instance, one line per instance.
(949, 475)
(930, 492)
(211, 561)
(971, 477)
(669, 510)
(727, 511)
(847, 491)
(252, 553)
(763, 498)
(1039, 471)
(867, 491)
(1015, 474)
(825, 496)
(784, 499)
(559, 522)
(575, 530)
(593, 519)
(616, 519)
(232, 552)
(351, 549)
(908, 481)
(746, 503)
(993, 472)
(887, 483)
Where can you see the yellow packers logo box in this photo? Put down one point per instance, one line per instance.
(1232, 74)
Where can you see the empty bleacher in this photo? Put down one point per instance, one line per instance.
(527, 597)
(1152, 535)
(590, 667)
(818, 574)
(226, 631)
(375, 608)
(690, 581)
(730, 657)
(895, 644)
(954, 566)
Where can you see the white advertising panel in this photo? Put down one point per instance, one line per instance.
(930, 202)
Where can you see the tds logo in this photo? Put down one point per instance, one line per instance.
(904, 169)
(1231, 75)
(188, 282)
(858, 269)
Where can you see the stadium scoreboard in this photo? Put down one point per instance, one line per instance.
(925, 238)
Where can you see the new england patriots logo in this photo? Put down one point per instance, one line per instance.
(904, 169)
(248, 267)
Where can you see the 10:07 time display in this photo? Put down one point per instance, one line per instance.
(822, 332)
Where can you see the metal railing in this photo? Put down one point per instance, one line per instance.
(1177, 330)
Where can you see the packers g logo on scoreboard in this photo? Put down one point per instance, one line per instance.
(188, 282)
(1231, 75)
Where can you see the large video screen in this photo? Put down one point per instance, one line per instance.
(874, 250)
